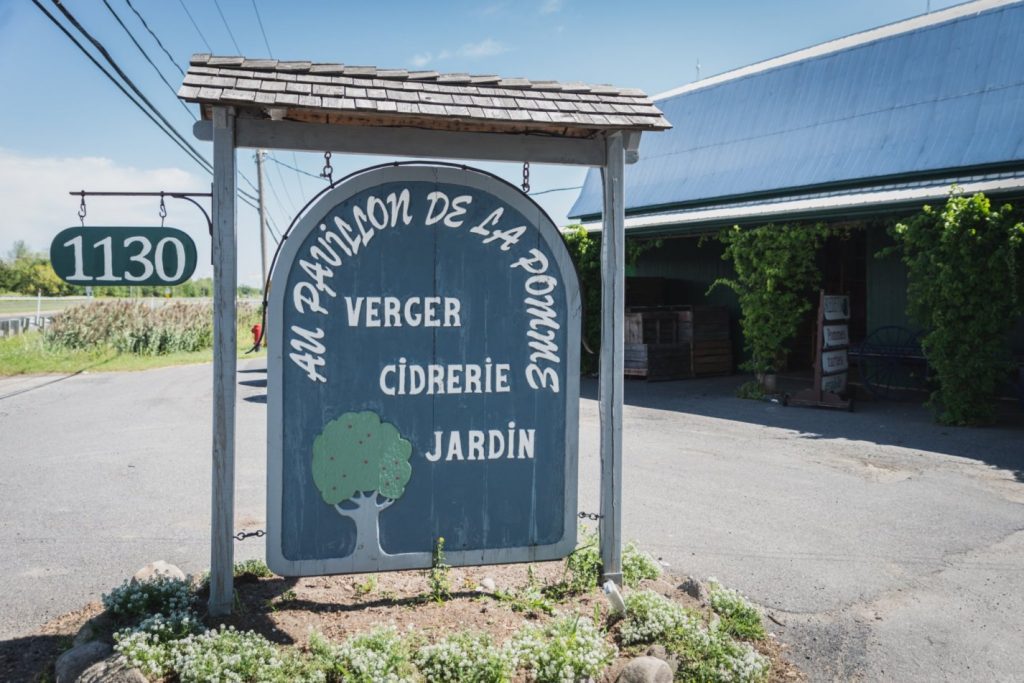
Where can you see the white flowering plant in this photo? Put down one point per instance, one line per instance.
(379, 656)
(158, 595)
(651, 618)
(565, 650)
(464, 657)
(713, 656)
(738, 616)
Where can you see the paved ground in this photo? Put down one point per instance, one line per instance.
(891, 549)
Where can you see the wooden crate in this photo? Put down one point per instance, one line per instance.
(652, 327)
(712, 357)
(704, 323)
(657, 361)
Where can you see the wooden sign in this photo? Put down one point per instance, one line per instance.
(423, 378)
(123, 256)
(836, 336)
(833, 361)
(836, 307)
(835, 384)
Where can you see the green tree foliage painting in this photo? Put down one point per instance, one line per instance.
(361, 466)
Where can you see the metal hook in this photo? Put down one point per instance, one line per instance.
(163, 209)
(328, 171)
(526, 177)
(81, 209)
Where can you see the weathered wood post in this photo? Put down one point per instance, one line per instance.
(225, 344)
(613, 302)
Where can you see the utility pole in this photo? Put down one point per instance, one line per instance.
(263, 215)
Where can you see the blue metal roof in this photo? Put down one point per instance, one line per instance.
(932, 99)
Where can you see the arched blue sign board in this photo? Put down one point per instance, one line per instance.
(423, 378)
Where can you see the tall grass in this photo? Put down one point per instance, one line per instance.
(139, 328)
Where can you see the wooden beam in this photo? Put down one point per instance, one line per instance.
(225, 349)
(613, 304)
(412, 142)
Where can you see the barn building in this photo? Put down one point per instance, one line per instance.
(859, 132)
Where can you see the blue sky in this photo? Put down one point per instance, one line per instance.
(65, 126)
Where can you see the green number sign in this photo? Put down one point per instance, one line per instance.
(123, 256)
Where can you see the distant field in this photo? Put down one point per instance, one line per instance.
(10, 305)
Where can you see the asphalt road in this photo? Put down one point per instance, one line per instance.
(888, 547)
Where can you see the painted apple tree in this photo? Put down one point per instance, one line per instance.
(361, 466)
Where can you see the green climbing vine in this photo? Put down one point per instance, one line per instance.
(964, 265)
(776, 272)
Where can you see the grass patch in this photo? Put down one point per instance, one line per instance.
(738, 617)
(29, 354)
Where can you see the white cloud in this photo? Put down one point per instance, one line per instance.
(551, 6)
(488, 47)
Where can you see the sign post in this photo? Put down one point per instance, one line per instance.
(423, 378)
(831, 362)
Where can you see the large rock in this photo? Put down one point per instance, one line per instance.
(100, 627)
(658, 651)
(111, 670)
(646, 670)
(72, 663)
(159, 568)
(695, 589)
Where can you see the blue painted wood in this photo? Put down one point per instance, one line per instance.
(356, 479)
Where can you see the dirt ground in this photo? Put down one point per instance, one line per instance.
(286, 611)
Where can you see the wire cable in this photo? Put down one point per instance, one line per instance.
(128, 81)
(196, 26)
(556, 189)
(259, 20)
(193, 155)
(166, 52)
(146, 56)
(238, 50)
(294, 168)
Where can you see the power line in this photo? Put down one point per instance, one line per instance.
(128, 81)
(166, 52)
(188, 149)
(259, 20)
(113, 80)
(556, 189)
(145, 56)
(238, 50)
(195, 25)
(294, 168)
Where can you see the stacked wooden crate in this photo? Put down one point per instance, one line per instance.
(710, 339)
(654, 347)
(684, 341)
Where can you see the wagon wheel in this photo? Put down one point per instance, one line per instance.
(891, 362)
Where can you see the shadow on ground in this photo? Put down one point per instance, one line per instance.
(24, 659)
(904, 424)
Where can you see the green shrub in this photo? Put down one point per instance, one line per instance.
(570, 648)
(712, 656)
(257, 568)
(467, 657)
(139, 327)
(965, 270)
(158, 595)
(583, 566)
(738, 616)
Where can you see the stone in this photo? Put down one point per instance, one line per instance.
(487, 585)
(111, 670)
(645, 670)
(159, 568)
(657, 650)
(100, 628)
(72, 663)
(695, 589)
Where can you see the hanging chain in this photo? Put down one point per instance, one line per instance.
(163, 210)
(242, 535)
(81, 210)
(526, 177)
(328, 172)
(590, 515)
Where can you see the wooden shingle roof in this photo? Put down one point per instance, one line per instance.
(336, 93)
